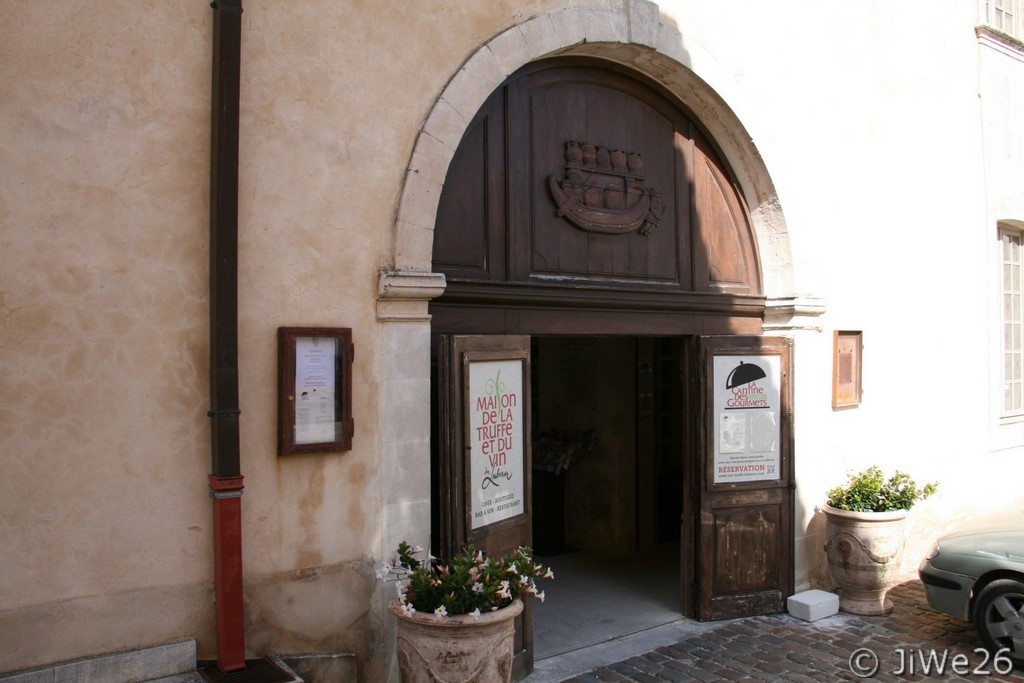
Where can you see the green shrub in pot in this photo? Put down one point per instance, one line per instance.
(864, 527)
(870, 491)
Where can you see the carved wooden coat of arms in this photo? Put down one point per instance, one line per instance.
(603, 191)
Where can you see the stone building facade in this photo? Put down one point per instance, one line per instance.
(875, 150)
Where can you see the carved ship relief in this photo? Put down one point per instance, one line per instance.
(603, 191)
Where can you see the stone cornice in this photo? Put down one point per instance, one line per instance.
(793, 313)
(999, 41)
(402, 296)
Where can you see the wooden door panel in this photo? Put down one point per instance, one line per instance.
(745, 540)
(725, 260)
(727, 263)
(745, 534)
(748, 566)
(483, 473)
(466, 253)
(594, 110)
(745, 605)
(470, 230)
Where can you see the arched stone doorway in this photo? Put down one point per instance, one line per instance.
(638, 38)
(587, 216)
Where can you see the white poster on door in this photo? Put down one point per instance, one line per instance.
(747, 413)
(496, 432)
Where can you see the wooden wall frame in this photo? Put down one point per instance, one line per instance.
(314, 389)
(847, 353)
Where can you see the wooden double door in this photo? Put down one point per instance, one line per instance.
(734, 517)
(585, 201)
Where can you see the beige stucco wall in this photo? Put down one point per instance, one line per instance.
(103, 297)
(107, 525)
(855, 138)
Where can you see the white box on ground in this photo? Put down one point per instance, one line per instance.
(813, 605)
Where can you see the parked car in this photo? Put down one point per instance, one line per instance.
(976, 573)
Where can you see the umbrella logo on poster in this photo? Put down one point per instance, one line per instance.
(746, 412)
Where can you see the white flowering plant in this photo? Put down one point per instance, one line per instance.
(870, 491)
(470, 584)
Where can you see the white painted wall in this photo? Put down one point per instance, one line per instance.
(868, 119)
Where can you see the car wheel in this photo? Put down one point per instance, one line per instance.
(999, 618)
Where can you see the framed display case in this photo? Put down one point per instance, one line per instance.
(314, 389)
(847, 352)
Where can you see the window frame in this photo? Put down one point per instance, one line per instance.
(1011, 327)
(992, 14)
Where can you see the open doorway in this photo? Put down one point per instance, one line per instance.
(631, 444)
(608, 447)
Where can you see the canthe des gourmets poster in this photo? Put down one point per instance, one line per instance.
(747, 418)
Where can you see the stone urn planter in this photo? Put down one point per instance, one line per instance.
(456, 621)
(864, 551)
(456, 649)
(864, 521)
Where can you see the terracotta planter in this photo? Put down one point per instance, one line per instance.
(864, 551)
(459, 649)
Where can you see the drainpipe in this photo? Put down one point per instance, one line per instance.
(225, 481)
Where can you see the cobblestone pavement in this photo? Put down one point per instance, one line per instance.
(784, 648)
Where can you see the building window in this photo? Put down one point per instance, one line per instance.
(1012, 322)
(1003, 16)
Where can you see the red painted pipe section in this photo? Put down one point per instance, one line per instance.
(227, 544)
